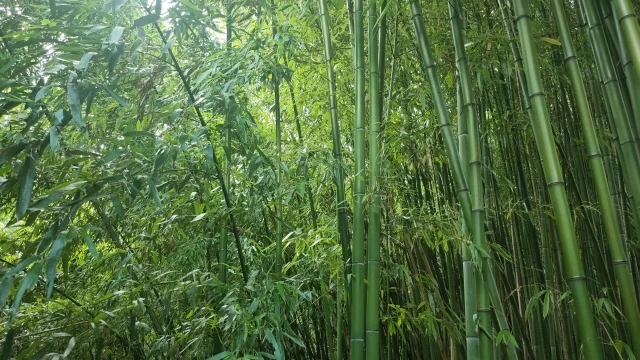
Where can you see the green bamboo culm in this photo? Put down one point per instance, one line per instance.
(224, 231)
(444, 121)
(616, 247)
(357, 262)
(629, 29)
(276, 109)
(342, 205)
(541, 124)
(619, 120)
(452, 149)
(468, 269)
(632, 78)
(469, 116)
(372, 338)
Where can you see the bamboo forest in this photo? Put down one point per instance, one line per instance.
(319, 179)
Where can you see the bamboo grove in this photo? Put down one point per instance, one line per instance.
(319, 179)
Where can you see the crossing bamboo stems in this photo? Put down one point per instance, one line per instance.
(541, 125)
(622, 270)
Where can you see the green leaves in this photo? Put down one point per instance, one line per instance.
(92, 247)
(112, 155)
(8, 344)
(506, 337)
(220, 356)
(44, 91)
(53, 138)
(535, 299)
(137, 133)
(21, 266)
(153, 190)
(27, 174)
(10, 152)
(146, 20)
(116, 34)
(167, 46)
(27, 283)
(55, 193)
(5, 288)
(551, 41)
(83, 64)
(52, 261)
(73, 98)
(277, 352)
(115, 96)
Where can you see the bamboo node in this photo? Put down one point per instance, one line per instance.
(631, 15)
(539, 93)
(620, 262)
(576, 278)
(555, 183)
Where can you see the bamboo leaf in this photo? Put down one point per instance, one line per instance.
(73, 98)
(154, 192)
(137, 133)
(92, 247)
(277, 353)
(220, 356)
(83, 64)
(115, 96)
(52, 262)
(546, 304)
(208, 154)
(55, 193)
(551, 41)
(21, 266)
(53, 138)
(146, 20)
(167, 46)
(116, 34)
(112, 155)
(294, 339)
(27, 174)
(123, 262)
(8, 344)
(72, 343)
(5, 288)
(117, 206)
(199, 217)
(44, 91)
(10, 152)
(134, 49)
(512, 339)
(27, 283)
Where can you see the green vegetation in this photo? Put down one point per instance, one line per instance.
(240, 179)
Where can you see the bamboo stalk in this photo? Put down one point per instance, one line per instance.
(553, 176)
(618, 255)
